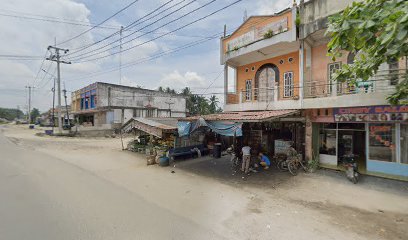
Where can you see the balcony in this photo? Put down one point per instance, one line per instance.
(261, 37)
(264, 99)
(363, 93)
(318, 95)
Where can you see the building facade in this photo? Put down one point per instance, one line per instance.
(279, 63)
(104, 104)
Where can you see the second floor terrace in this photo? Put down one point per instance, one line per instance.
(261, 37)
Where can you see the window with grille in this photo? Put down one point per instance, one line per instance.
(332, 68)
(288, 84)
(248, 90)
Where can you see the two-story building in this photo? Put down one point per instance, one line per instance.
(279, 62)
(108, 106)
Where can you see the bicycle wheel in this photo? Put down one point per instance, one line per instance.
(304, 166)
(283, 166)
(292, 166)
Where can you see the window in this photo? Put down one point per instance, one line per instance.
(332, 68)
(248, 90)
(393, 70)
(253, 68)
(327, 143)
(232, 79)
(404, 143)
(382, 142)
(290, 60)
(288, 84)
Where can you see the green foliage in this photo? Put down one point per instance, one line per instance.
(11, 114)
(34, 114)
(268, 34)
(378, 31)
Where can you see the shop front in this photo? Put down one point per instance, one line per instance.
(376, 135)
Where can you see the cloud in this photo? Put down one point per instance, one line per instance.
(179, 81)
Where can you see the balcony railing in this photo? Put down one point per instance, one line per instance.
(268, 94)
(383, 81)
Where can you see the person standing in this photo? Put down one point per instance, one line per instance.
(246, 157)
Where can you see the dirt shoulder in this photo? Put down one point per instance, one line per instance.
(270, 205)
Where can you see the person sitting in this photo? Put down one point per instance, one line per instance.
(265, 162)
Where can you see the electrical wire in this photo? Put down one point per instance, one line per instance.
(177, 29)
(107, 19)
(131, 25)
(158, 20)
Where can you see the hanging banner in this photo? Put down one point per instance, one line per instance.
(372, 114)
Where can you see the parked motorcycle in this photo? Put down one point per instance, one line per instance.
(350, 164)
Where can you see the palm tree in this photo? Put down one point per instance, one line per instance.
(213, 104)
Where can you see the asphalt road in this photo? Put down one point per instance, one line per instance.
(43, 197)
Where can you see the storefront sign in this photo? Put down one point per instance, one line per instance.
(372, 114)
(258, 34)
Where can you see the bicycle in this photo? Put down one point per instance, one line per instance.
(294, 163)
(280, 161)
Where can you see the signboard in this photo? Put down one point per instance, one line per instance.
(258, 34)
(276, 27)
(372, 114)
(241, 41)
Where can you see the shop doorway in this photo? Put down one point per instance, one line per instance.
(352, 140)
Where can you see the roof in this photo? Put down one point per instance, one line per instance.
(148, 126)
(154, 123)
(253, 116)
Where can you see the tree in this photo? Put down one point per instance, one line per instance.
(160, 89)
(213, 104)
(10, 114)
(378, 31)
(34, 114)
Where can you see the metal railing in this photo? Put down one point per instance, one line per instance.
(383, 81)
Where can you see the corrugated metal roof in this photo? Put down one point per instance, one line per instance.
(253, 116)
(154, 123)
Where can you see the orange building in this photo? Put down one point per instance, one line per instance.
(279, 62)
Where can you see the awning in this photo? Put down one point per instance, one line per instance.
(148, 126)
(224, 128)
(241, 117)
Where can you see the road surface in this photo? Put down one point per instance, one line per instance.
(43, 197)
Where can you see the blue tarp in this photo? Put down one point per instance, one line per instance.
(222, 128)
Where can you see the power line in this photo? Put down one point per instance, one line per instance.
(158, 20)
(131, 25)
(107, 19)
(54, 21)
(147, 59)
(177, 29)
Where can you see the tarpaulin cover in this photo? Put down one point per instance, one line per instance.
(222, 128)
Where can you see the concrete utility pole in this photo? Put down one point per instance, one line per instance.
(57, 58)
(29, 103)
(53, 99)
(120, 56)
(66, 106)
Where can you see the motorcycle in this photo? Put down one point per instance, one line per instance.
(351, 168)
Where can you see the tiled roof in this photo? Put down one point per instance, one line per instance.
(253, 116)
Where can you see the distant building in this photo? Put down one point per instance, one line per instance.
(46, 117)
(110, 105)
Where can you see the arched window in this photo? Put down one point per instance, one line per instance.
(266, 79)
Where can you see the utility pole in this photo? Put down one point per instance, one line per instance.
(120, 57)
(29, 103)
(56, 57)
(66, 106)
